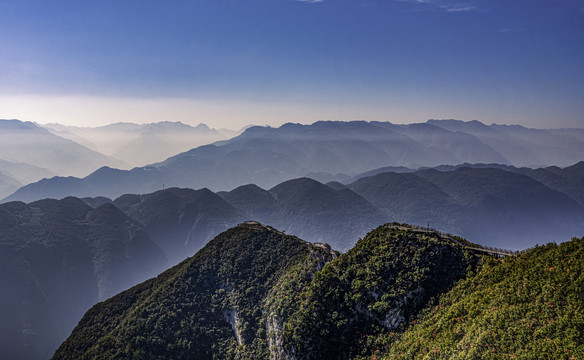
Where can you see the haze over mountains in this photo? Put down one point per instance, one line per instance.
(329, 182)
(58, 258)
(325, 151)
(140, 144)
(111, 245)
(30, 152)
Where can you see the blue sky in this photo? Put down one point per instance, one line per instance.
(231, 63)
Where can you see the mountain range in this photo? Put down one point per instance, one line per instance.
(140, 144)
(400, 293)
(328, 183)
(30, 152)
(53, 239)
(325, 151)
(58, 258)
(28, 143)
(505, 207)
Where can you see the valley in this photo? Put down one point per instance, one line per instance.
(113, 229)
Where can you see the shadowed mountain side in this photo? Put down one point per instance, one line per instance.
(8, 184)
(103, 182)
(409, 198)
(569, 180)
(489, 206)
(309, 209)
(58, 258)
(181, 221)
(24, 173)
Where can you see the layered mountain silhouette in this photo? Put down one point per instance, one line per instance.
(497, 206)
(522, 146)
(181, 221)
(58, 258)
(491, 206)
(24, 173)
(45, 153)
(8, 184)
(326, 151)
(256, 293)
(309, 209)
(488, 205)
(569, 180)
(140, 144)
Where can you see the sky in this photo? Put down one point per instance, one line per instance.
(239, 62)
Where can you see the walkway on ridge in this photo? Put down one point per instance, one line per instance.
(426, 230)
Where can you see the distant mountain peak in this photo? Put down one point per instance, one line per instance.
(202, 126)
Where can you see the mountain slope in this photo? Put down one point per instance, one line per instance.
(488, 205)
(569, 180)
(522, 146)
(408, 198)
(310, 210)
(25, 142)
(529, 307)
(180, 221)
(219, 298)
(24, 173)
(450, 147)
(140, 144)
(373, 288)
(105, 181)
(401, 292)
(8, 184)
(58, 259)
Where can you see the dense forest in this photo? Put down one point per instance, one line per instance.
(401, 292)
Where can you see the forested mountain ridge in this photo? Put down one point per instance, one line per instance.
(255, 293)
(525, 307)
(220, 300)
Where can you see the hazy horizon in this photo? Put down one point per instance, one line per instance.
(230, 64)
(234, 130)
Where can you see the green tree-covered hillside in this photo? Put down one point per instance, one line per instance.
(211, 306)
(400, 293)
(525, 307)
